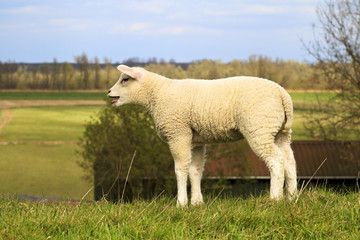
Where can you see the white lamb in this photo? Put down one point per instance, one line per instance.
(191, 113)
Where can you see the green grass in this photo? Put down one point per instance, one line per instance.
(311, 96)
(42, 170)
(48, 95)
(39, 169)
(319, 214)
(309, 100)
(60, 123)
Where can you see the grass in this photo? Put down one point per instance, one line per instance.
(37, 168)
(49, 95)
(319, 214)
(60, 123)
(311, 96)
(42, 170)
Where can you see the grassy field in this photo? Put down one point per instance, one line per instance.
(318, 214)
(60, 123)
(41, 157)
(42, 170)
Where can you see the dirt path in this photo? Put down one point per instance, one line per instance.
(38, 142)
(4, 104)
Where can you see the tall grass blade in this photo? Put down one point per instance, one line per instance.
(127, 177)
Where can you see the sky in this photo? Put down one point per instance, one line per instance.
(182, 30)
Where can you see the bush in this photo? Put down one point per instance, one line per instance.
(108, 146)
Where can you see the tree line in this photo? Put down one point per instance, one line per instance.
(89, 74)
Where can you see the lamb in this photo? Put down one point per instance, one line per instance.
(190, 113)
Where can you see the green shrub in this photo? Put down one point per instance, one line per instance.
(108, 146)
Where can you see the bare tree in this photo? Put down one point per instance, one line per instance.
(108, 68)
(337, 50)
(97, 69)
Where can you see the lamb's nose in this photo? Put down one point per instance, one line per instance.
(109, 91)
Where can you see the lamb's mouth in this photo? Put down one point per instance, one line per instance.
(115, 100)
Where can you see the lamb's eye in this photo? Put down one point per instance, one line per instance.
(124, 80)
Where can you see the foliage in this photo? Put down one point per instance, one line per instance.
(109, 143)
(319, 214)
(337, 51)
(90, 74)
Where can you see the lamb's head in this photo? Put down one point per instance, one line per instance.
(128, 87)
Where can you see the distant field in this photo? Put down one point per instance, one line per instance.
(44, 163)
(42, 170)
(60, 123)
(48, 95)
(311, 96)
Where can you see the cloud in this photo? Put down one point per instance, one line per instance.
(250, 9)
(23, 10)
(152, 29)
(68, 24)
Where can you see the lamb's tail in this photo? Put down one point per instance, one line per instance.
(288, 109)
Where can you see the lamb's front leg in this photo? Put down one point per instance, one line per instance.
(181, 151)
(195, 173)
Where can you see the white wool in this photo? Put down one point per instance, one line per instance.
(191, 113)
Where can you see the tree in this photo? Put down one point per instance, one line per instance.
(1, 75)
(337, 50)
(108, 69)
(97, 69)
(55, 75)
(67, 73)
(45, 71)
(83, 66)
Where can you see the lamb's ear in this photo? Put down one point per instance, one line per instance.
(132, 72)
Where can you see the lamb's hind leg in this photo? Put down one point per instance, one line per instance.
(274, 159)
(282, 140)
(195, 174)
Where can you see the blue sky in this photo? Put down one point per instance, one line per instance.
(183, 30)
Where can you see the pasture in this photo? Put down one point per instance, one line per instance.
(38, 145)
(38, 152)
(318, 214)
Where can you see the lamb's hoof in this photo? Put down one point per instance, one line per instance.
(181, 205)
(197, 203)
(197, 200)
(291, 197)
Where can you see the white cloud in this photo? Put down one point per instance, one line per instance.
(23, 10)
(68, 24)
(153, 29)
(250, 9)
